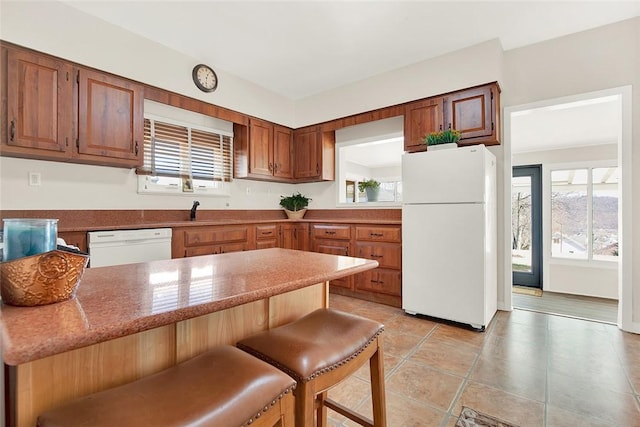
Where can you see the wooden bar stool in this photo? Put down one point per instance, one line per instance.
(320, 350)
(222, 387)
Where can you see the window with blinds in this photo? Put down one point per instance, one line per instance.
(180, 157)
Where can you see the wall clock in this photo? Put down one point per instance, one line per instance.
(205, 78)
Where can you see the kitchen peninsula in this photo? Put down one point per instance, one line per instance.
(133, 320)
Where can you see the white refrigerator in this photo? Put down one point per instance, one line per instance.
(449, 234)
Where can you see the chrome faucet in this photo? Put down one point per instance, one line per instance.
(193, 210)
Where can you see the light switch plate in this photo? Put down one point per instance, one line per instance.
(35, 179)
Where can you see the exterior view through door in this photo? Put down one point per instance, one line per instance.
(526, 227)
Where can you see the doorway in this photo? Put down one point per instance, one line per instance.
(543, 137)
(526, 219)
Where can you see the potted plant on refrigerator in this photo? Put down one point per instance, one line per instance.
(295, 205)
(371, 187)
(443, 139)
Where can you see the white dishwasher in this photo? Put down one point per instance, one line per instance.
(128, 246)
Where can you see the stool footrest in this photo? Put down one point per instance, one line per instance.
(344, 411)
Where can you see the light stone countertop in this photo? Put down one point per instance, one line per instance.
(117, 301)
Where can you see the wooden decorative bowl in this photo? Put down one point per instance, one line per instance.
(42, 279)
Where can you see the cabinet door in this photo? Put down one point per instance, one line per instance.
(380, 281)
(39, 105)
(470, 112)
(335, 247)
(282, 152)
(260, 148)
(420, 119)
(110, 119)
(231, 247)
(388, 255)
(307, 154)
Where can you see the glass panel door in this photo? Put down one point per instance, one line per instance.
(526, 226)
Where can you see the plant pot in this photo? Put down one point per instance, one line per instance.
(442, 146)
(295, 214)
(372, 194)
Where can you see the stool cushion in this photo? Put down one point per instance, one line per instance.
(314, 344)
(222, 387)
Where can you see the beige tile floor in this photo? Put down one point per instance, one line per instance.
(529, 368)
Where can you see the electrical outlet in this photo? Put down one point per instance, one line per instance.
(35, 179)
(248, 190)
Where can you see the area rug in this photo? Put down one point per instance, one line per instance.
(472, 418)
(525, 290)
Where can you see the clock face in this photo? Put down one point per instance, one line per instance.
(205, 78)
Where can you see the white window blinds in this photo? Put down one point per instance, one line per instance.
(177, 150)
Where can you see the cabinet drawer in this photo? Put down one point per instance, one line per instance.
(387, 255)
(380, 281)
(232, 247)
(266, 231)
(391, 234)
(332, 247)
(331, 231)
(200, 250)
(215, 235)
(266, 243)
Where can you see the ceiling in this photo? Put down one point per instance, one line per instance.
(568, 125)
(301, 48)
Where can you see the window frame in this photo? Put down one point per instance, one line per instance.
(547, 224)
(220, 188)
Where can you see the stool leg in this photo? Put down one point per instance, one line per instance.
(321, 411)
(305, 394)
(376, 366)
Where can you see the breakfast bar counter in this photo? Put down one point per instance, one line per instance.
(133, 320)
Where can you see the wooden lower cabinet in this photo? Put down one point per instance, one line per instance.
(380, 280)
(209, 240)
(267, 236)
(380, 242)
(295, 236)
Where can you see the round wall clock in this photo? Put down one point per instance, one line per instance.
(205, 78)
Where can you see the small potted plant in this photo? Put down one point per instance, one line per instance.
(295, 205)
(371, 187)
(443, 139)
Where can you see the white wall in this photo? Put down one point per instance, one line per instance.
(602, 58)
(464, 68)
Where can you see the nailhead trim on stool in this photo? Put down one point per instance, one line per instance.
(222, 387)
(319, 350)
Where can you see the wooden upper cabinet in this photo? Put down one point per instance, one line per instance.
(282, 152)
(111, 119)
(307, 149)
(263, 151)
(420, 119)
(314, 154)
(39, 106)
(260, 148)
(475, 112)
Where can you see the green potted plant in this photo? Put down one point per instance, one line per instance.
(295, 205)
(371, 187)
(441, 139)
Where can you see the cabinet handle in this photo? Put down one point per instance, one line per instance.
(317, 168)
(346, 251)
(136, 148)
(449, 126)
(330, 233)
(295, 233)
(375, 234)
(377, 256)
(275, 167)
(440, 127)
(270, 167)
(12, 131)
